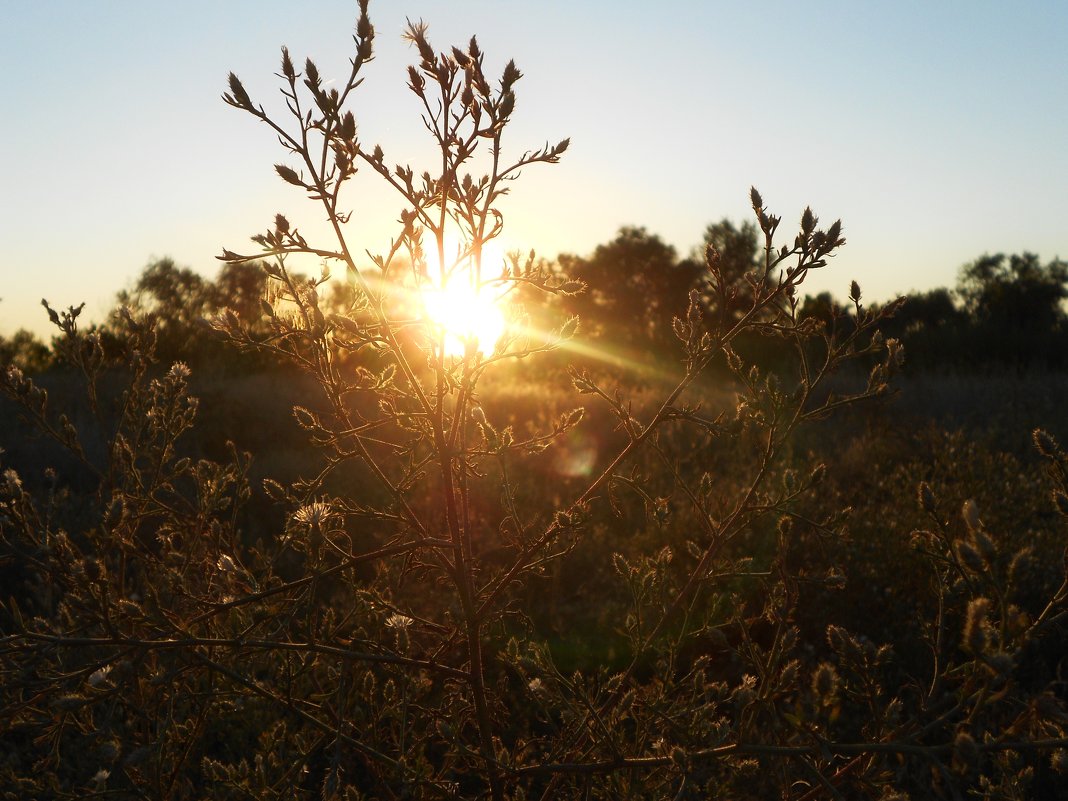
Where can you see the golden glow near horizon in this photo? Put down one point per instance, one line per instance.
(469, 311)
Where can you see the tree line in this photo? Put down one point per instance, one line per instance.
(1005, 312)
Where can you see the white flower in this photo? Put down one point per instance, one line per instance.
(99, 676)
(534, 685)
(101, 777)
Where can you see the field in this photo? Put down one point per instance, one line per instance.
(474, 524)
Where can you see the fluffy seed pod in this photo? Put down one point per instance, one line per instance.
(825, 683)
(976, 636)
(1045, 443)
(969, 556)
(926, 497)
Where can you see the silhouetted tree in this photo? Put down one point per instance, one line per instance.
(739, 254)
(637, 285)
(1017, 292)
(177, 298)
(239, 287)
(25, 351)
(180, 300)
(935, 330)
(1016, 304)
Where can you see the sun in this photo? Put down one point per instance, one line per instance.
(470, 313)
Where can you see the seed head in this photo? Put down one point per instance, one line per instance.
(969, 556)
(1045, 443)
(314, 514)
(398, 621)
(825, 683)
(926, 497)
(1060, 500)
(976, 637)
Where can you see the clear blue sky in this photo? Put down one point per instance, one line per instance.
(936, 131)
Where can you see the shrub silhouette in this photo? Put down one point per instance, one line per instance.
(426, 622)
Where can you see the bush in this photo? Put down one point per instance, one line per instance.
(627, 603)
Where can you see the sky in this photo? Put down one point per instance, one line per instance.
(937, 132)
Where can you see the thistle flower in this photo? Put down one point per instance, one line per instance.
(398, 621)
(314, 515)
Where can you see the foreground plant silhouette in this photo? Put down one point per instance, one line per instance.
(389, 642)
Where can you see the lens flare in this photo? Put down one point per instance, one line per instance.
(467, 315)
(470, 313)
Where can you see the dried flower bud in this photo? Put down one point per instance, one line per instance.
(968, 555)
(825, 683)
(970, 514)
(926, 498)
(985, 545)
(237, 97)
(287, 65)
(93, 569)
(976, 636)
(1045, 443)
(1060, 500)
(478, 415)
